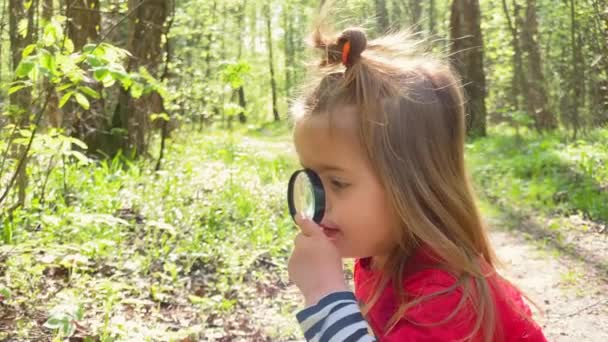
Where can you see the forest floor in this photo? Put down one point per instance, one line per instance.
(199, 254)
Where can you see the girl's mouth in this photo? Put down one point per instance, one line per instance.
(330, 232)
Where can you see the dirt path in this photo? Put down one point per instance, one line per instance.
(575, 304)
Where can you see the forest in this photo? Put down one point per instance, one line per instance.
(145, 149)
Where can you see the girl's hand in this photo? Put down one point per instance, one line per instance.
(315, 265)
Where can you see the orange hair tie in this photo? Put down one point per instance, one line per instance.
(345, 52)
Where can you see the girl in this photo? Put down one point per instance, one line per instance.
(385, 132)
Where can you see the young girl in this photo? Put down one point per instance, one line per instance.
(385, 132)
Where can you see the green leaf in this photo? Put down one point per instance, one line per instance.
(28, 50)
(89, 92)
(137, 90)
(79, 313)
(94, 61)
(4, 292)
(16, 88)
(47, 61)
(68, 45)
(78, 155)
(55, 322)
(162, 116)
(198, 300)
(99, 73)
(22, 27)
(24, 68)
(49, 36)
(88, 48)
(82, 100)
(78, 142)
(64, 87)
(69, 329)
(65, 98)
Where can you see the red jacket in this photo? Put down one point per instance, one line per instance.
(513, 315)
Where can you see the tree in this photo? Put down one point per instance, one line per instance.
(241, 89)
(53, 113)
(147, 27)
(381, 15)
(467, 53)
(536, 94)
(432, 16)
(577, 82)
(273, 83)
(21, 32)
(600, 69)
(415, 13)
(89, 125)
(519, 83)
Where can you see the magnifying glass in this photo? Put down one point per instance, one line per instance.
(306, 195)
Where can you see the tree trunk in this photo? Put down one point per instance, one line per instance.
(536, 96)
(84, 23)
(20, 101)
(600, 106)
(146, 31)
(415, 14)
(89, 125)
(273, 84)
(576, 71)
(381, 16)
(241, 90)
(519, 83)
(53, 112)
(288, 45)
(432, 16)
(3, 24)
(467, 52)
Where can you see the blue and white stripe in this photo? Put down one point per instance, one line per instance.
(335, 318)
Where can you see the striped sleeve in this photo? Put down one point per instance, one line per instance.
(335, 318)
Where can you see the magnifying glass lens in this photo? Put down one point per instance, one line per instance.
(304, 196)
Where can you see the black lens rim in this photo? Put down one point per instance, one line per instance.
(318, 193)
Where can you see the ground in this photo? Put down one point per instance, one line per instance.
(217, 272)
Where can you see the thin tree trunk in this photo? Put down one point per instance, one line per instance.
(164, 130)
(53, 113)
(288, 29)
(241, 89)
(519, 83)
(21, 100)
(3, 24)
(208, 67)
(467, 52)
(432, 16)
(273, 84)
(536, 97)
(381, 15)
(416, 14)
(600, 106)
(576, 91)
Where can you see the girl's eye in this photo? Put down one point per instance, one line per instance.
(338, 184)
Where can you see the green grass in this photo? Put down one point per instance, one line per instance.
(200, 247)
(547, 174)
(121, 248)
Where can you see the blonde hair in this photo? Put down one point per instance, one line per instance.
(411, 123)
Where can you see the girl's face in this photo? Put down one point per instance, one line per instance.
(358, 217)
